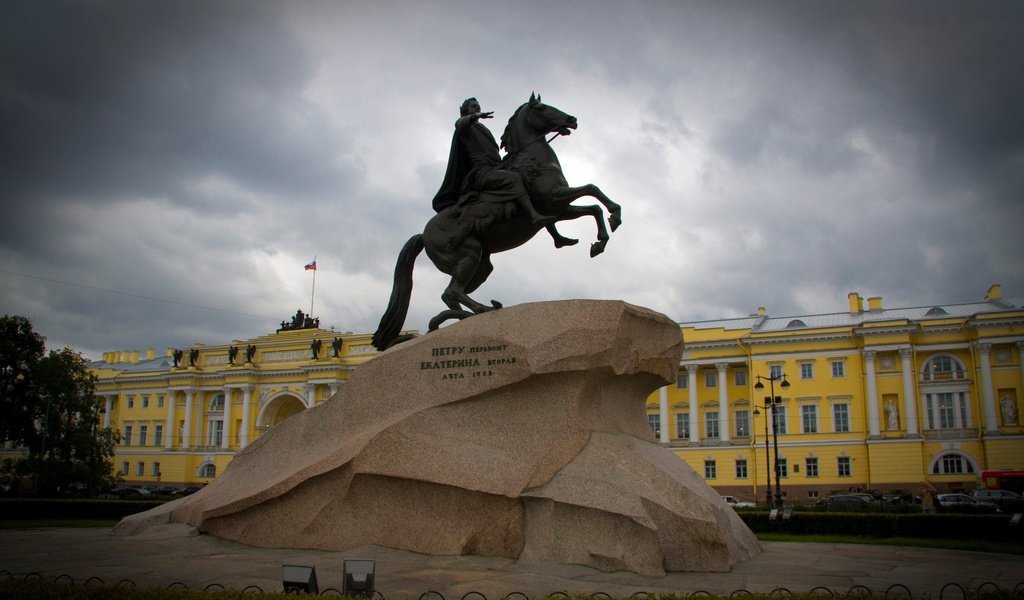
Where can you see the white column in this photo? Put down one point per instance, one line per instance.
(226, 426)
(663, 411)
(186, 435)
(909, 390)
(987, 393)
(724, 418)
(872, 393)
(691, 388)
(169, 431)
(243, 435)
(310, 395)
(108, 408)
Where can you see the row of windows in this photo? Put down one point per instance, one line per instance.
(739, 378)
(216, 404)
(741, 421)
(144, 401)
(139, 436)
(938, 368)
(206, 470)
(843, 468)
(951, 463)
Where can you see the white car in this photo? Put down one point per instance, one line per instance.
(735, 503)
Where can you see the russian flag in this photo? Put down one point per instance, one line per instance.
(311, 266)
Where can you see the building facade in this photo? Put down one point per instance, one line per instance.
(876, 399)
(183, 415)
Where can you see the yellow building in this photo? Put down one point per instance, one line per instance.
(877, 398)
(183, 417)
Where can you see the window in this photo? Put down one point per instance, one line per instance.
(217, 404)
(843, 466)
(140, 468)
(811, 467)
(655, 422)
(841, 417)
(158, 435)
(159, 400)
(943, 368)
(208, 470)
(143, 429)
(710, 379)
(156, 470)
(775, 371)
(127, 435)
(145, 402)
(131, 401)
(741, 468)
(683, 425)
(807, 370)
(742, 423)
(739, 378)
(947, 410)
(779, 413)
(682, 381)
(952, 463)
(783, 467)
(838, 368)
(812, 495)
(215, 432)
(124, 468)
(711, 424)
(809, 418)
(710, 469)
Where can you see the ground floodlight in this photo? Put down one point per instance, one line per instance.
(357, 577)
(299, 579)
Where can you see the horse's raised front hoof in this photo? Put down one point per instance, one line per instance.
(615, 220)
(561, 242)
(597, 248)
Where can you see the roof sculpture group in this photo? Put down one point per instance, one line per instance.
(490, 204)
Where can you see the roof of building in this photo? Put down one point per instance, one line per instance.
(767, 323)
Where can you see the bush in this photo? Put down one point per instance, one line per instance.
(884, 525)
(22, 509)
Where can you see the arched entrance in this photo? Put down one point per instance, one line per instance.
(278, 409)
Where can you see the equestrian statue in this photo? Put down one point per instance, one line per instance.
(487, 204)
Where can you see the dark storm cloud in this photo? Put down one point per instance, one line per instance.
(185, 159)
(103, 100)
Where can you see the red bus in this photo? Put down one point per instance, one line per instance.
(1003, 479)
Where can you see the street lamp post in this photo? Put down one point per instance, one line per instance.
(771, 402)
(767, 457)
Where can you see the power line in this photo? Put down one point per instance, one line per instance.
(133, 294)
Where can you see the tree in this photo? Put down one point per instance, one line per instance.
(69, 452)
(20, 351)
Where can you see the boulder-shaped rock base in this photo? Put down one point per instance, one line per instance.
(519, 433)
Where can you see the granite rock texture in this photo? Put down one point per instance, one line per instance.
(519, 433)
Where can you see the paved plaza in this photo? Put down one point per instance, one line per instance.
(174, 553)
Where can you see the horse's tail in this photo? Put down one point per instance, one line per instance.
(398, 306)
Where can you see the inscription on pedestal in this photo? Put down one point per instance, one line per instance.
(467, 362)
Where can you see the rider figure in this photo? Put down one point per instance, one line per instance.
(474, 167)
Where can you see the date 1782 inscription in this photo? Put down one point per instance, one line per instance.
(465, 362)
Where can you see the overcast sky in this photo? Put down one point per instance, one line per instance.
(167, 168)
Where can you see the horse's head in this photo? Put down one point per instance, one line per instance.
(532, 120)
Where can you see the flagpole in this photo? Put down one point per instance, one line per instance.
(312, 294)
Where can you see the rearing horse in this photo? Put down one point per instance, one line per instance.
(460, 239)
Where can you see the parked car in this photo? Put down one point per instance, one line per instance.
(898, 496)
(133, 492)
(964, 503)
(737, 503)
(850, 501)
(186, 491)
(1006, 500)
(166, 490)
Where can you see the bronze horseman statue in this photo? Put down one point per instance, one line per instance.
(487, 204)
